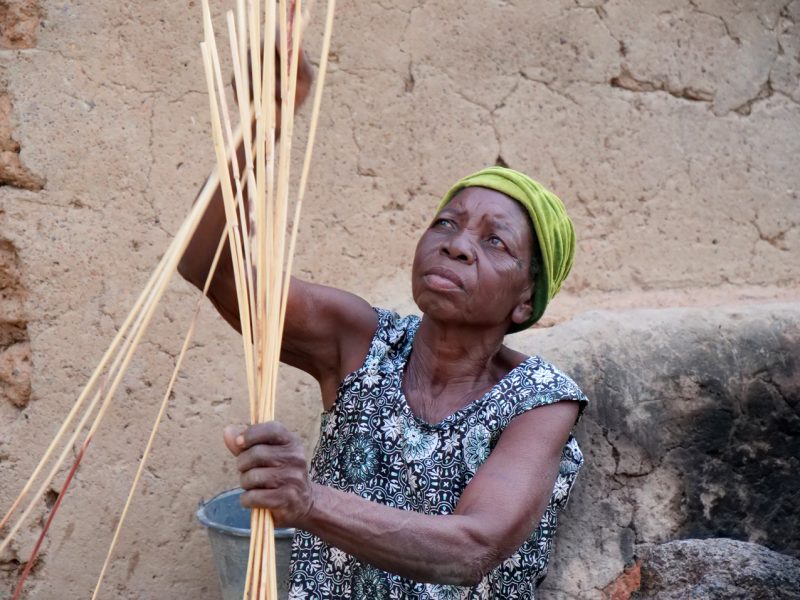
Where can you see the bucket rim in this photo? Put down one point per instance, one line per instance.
(280, 532)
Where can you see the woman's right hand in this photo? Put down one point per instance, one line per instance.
(273, 470)
(305, 77)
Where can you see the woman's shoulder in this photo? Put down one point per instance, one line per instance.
(546, 377)
(394, 330)
(537, 382)
(390, 344)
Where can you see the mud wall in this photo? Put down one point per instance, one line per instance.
(670, 129)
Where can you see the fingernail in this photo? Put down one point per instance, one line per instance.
(240, 440)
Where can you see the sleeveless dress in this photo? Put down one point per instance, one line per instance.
(371, 444)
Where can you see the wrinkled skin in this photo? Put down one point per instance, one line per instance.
(472, 265)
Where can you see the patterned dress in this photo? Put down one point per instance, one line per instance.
(371, 444)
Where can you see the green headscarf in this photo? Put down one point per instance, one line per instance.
(551, 224)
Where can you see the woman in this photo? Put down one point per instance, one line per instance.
(444, 455)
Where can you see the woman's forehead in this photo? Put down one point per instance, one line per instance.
(484, 202)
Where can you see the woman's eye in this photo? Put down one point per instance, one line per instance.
(442, 223)
(496, 242)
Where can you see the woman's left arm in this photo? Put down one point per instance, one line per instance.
(497, 511)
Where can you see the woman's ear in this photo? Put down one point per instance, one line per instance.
(524, 309)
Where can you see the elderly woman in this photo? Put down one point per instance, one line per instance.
(444, 456)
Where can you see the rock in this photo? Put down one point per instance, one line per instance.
(716, 569)
(626, 584)
(692, 431)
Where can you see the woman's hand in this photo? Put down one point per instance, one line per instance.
(305, 77)
(274, 473)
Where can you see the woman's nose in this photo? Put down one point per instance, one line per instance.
(458, 247)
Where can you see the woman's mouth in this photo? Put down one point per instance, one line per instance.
(442, 279)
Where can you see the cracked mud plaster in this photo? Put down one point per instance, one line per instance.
(627, 81)
(730, 55)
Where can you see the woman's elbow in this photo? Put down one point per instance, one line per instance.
(484, 546)
(472, 577)
(481, 557)
(471, 572)
(189, 271)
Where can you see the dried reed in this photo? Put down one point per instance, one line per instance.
(261, 253)
(256, 202)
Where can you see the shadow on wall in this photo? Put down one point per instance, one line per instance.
(693, 432)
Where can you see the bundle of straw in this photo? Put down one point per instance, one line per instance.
(261, 252)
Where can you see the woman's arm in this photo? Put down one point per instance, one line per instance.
(197, 259)
(327, 331)
(498, 510)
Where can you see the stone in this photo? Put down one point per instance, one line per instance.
(693, 431)
(717, 569)
(626, 584)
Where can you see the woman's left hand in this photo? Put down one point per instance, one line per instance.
(274, 473)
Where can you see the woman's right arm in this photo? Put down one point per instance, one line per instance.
(327, 331)
(196, 261)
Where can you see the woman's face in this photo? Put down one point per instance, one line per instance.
(472, 264)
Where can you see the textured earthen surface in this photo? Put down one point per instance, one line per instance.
(15, 351)
(19, 23)
(12, 171)
(669, 127)
(718, 569)
(693, 432)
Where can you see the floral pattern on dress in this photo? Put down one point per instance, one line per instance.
(476, 447)
(371, 583)
(359, 458)
(419, 445)
(373, 445)
(446, 592)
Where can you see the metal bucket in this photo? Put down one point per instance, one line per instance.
(228, 527)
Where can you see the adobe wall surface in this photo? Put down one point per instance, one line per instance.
(670, 128)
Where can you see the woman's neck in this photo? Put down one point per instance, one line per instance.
(451, 367)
